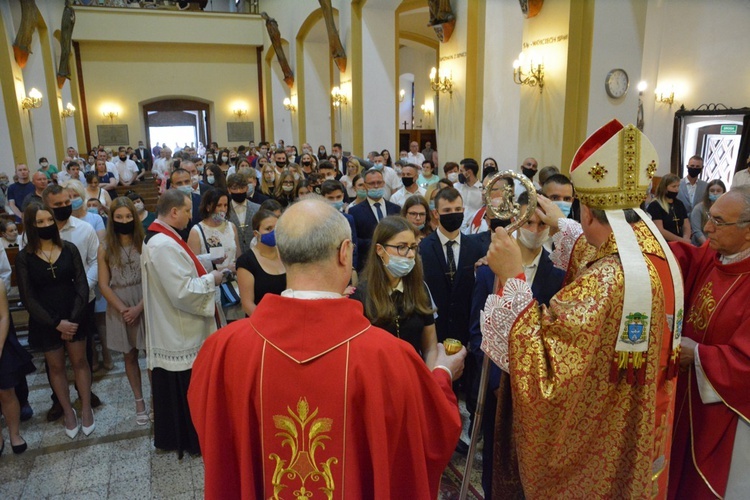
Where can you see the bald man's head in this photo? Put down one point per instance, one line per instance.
(310, 231)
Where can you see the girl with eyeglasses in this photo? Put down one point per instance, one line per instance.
(393, 292)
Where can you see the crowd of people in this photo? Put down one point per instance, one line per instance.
(409, 251)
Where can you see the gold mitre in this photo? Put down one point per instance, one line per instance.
(613, 168)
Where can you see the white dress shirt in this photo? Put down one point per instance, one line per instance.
(127, 170)
(400, 196)
(375, 209)
(456, 248)
(416, 159)
(83, 236)
(392, 182)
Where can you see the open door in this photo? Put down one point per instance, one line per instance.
(720, 135)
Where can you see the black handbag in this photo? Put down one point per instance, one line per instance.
(230, 295)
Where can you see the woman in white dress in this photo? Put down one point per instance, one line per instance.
(216, 231)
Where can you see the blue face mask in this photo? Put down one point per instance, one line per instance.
(432, 205)
(420, 227)
(92, 210)
(377, 166)
(565, 206)
(376, 194)
(268, 239)
(338, 205)
(186, 189)
(713, 197)
(399, 266)
(361, 194)
(76, 203)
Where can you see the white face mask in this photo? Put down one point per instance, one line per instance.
(453, 177)
(532, 240)
(139, 206)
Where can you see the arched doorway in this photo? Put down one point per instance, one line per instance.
(175, 120)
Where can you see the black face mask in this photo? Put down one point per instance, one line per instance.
(123, 158)
(528, 172)
(62, 213)
(408, 181)
(281, 164)
(694, 172)
(238, 197)
(496, 223)
(48, 232)
(451, 222)
(462, 178)
(488, 171)
(306, 163)
(671, 195)
(124, 227)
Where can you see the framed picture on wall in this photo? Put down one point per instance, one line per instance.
(113, 135)
(240, 131)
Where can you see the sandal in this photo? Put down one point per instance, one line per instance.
(141, 417)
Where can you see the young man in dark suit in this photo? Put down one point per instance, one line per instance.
(448, 258)
(367, 215)
(242, 210)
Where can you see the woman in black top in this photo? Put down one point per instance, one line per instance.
(668, 213)
(393, 292)
(15, 364)
(53, 287)
(259, 270)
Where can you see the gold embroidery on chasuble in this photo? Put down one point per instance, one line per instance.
(304, 435)
(567, 410)
(705, 305)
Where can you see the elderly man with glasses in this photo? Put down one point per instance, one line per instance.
(711, 447)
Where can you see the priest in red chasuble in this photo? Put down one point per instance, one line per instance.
(307, 399)
(593, 375)
(711, 450)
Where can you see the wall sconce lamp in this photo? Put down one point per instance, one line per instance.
(239, 112)
(69, 111)
(427, 108)
(528, 74)
(401, 95)
(33, 100)
(290, 105)
(664, 97)
(110, 113)
(441, 81)
(338, 97)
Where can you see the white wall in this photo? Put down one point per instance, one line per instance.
(700, 47)
(618, 43)
(317, 93)
(501, 96)
(379, 75)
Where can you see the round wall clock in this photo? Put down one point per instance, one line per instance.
(616, 83)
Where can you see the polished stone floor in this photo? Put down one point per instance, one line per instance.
(117, 461)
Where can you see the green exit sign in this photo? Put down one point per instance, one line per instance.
(729, 129)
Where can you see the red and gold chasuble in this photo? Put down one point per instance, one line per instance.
(307, 400)
(718, 318)
(579, 432)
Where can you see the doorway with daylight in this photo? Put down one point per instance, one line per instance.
(177, 123)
